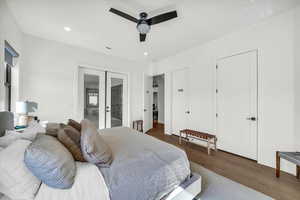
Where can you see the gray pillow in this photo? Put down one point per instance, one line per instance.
(93, 147)
(50, 162)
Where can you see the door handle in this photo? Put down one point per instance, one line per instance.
(145, 110)
(251, 118)
(188, 112)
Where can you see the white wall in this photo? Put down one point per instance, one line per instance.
(10, 32)
(274, 39)
(297, 79)
(49, 77)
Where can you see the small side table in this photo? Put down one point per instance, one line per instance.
(138, 125)
(293, 157)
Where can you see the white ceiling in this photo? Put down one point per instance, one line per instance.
(93, 27)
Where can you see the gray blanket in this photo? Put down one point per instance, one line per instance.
(143, 167)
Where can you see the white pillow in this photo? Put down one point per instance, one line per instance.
(28, 134)
(16, 181)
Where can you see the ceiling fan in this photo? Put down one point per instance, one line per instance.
(144, 24)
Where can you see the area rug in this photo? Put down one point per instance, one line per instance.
(216, 187)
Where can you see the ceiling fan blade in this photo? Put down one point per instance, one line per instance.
(124, 15)
(162, 18)
(142, 37)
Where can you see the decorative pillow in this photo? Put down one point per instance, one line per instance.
(70, 138)
(53, 128)
(93, 147)
(74, 124)
(16, 181)
(28, 134)
(50, 162)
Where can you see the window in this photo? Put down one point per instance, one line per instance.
(9, 55)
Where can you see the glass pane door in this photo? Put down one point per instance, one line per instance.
(116, 100)
(92, 96)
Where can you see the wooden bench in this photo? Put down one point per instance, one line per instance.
(210, 139)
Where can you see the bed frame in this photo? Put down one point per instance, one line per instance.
(187, 190)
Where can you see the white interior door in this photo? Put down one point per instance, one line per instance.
(92, 96)
(237, 104)
(148, 99)
(116, 100)
(180, 108)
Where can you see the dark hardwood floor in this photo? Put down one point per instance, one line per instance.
(241, 170)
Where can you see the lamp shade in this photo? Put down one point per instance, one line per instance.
(21, 107)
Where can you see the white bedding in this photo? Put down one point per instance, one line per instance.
(89, 184)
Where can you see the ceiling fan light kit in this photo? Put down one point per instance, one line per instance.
(144, 24)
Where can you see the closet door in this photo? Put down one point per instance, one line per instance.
(237, 104)
(180, 104)
(116, 100)
(92, 96)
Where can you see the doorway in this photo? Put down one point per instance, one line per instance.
(158, 106)
(103, 98)
(237, 104)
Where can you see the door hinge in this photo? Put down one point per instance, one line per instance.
(217, 90)
(217, 115)
(216, 66)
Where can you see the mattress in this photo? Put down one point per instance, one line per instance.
(143, 167)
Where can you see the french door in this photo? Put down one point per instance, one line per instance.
(116, 100)
(103, 98)
(237, 104)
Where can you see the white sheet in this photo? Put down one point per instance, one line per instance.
(89, 184)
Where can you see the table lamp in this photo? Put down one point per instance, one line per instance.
(22, 109)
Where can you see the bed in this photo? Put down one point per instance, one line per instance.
(143, 168)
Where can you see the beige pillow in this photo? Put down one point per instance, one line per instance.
(70, 138)
(74, 124)
(52, 129)
(16, 181)
(93, 147)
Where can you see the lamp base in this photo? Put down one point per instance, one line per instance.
(23, 120)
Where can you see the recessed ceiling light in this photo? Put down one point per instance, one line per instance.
(145, 53)
(68, 29)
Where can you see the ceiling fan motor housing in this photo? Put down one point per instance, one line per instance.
(143, 27)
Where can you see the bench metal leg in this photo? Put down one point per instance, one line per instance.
(298, 172)
(277, 164)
